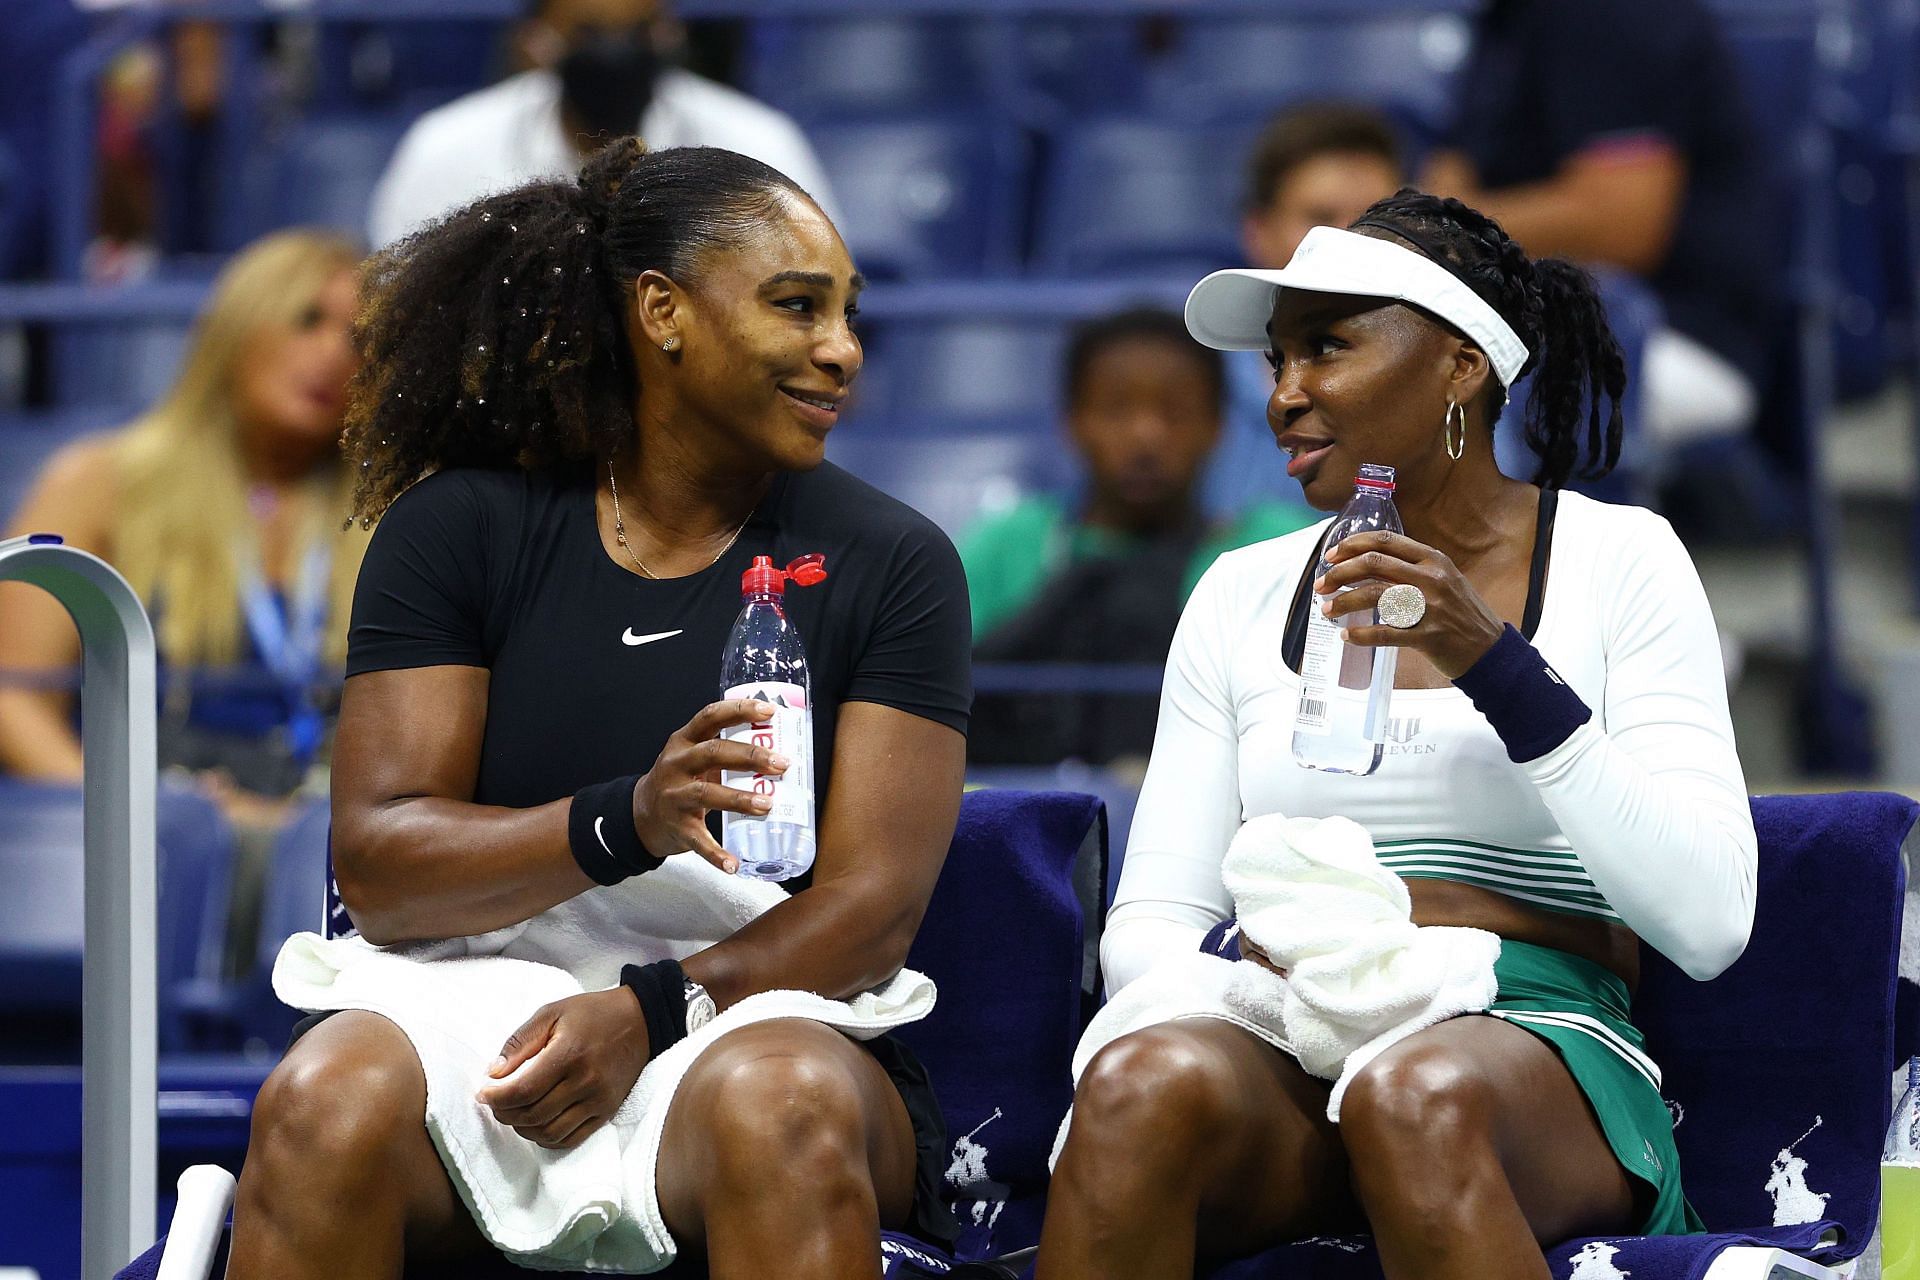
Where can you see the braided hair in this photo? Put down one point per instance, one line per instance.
(1553, 306)
(496, 337)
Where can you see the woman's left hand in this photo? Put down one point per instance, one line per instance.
(577, 1060)
(1457, 629)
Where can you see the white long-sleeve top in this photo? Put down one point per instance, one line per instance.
(1640, 816)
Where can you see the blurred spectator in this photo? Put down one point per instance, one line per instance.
(35, 38)
(1103, 581)
(1317, 164)
(599, 68)
(1617, 135)
(222, 506)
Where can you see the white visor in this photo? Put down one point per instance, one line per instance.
(1229, 310)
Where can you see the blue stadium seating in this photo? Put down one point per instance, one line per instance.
(926, 195)
(963, 369)
(325, 169)
(41, 921)
(954, 474)
(1129, 194)
(1247, 67)
(127, 366)
(817, 66)
(27, 440)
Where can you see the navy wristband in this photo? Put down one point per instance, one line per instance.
(1523, 698)
(600, 832)
(661, 989)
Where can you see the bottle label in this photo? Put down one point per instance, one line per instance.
(788, 732)
(1318, 663)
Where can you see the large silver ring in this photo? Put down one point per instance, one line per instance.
(1402, 605)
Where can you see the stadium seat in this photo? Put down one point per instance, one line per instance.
(1776, 1072)
(925, 195)
(41, 920)
(955, 473)
(968, 369)
(821, 66)
(125, 366)
(1247, 67)
(1131, 194)
(326, 167)
(1775, 1111)
(1011, 938)
(29, 439)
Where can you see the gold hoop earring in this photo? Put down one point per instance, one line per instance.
(1456, 443)
(670, 344)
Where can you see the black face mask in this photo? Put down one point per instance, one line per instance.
(608, 76)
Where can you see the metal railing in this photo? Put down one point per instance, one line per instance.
(118, 1090)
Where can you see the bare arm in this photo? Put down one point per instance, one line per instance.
(1614, 203)
(883, 840)
(416, 858)
(73, 498)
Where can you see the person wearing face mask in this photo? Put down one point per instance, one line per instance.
(597, 69)
(1560, 772)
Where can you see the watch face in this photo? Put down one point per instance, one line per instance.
(700, 1007)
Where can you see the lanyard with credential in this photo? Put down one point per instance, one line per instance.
(288, 641)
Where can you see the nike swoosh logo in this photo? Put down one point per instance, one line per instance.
(628, 638)
(601, 837)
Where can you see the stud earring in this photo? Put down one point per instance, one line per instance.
(670, 344)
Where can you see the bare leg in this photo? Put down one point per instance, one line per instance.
(785, 1150)
(1190, 1137)
(1470, 1145)
(341, 1177)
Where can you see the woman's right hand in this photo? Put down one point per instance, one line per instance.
(671, 804)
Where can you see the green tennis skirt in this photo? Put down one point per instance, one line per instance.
(1580, 1010)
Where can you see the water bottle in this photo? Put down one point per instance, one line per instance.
(1900, 1186)
(765, 661)
(1340, 725)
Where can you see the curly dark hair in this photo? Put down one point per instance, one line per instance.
(1553, 306)
(1092, 338)
(496, 336)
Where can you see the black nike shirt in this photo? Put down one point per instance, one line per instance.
(593, 666)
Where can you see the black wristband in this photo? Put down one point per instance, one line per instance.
(1523, 698)
(600, 832)
(661, 989)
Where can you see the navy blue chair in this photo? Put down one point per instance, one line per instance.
(42, 865)
(970, 369)
(1776, 1071)
(819, 66)
(1131, 194)
(955, 473)
(1012, 939)
(126, 365)
(925, 195)
(1222, 66)
(28, 439)
(325, 169)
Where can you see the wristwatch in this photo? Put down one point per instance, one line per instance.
(700, 1006)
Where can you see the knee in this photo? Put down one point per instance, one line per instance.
(1154, 1092)
(791, 1105)
(337, 1112)
(1410, 1101)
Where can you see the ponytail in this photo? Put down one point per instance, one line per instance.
(1553, 305)
(497, 338)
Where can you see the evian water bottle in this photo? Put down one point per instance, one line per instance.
(765, 661)
(1341, 723)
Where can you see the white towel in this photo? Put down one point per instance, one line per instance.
(595, 1207)
(1361, 975)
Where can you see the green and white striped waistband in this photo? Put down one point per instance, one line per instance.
(1553, 879)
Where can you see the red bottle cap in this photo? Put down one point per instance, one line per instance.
(763, 579)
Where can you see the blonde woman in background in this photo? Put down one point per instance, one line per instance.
(222, 506)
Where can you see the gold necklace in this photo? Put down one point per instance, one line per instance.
(620, 533)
